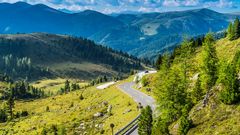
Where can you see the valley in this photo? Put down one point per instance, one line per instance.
(143, 35)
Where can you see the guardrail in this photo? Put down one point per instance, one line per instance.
(129, 128)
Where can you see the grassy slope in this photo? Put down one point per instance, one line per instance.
(61, 112)
(54, 85)
(151, 78)
(216, 118)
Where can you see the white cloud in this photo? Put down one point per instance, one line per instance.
(171, 3)
(219, 4)
(225, 3)
(191, 3)
(108, 6)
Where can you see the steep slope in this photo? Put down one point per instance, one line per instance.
(61, 56)
(217, 117)
(209, 115)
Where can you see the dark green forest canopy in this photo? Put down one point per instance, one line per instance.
(38, 51)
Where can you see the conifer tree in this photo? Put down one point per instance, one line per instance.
(184, 123)
(67, 86)
(228, 78)
(197, 92)
(236, 29)
(210, 61)
(145, 121)
(230, 31)
(158, 61)
(10, 103)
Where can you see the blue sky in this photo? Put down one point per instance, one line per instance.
(116, 6)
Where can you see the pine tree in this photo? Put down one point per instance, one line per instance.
(236, 29)
(67, 86)
(158, 61)
(197, 92)
(230, 31)
(210, 61)
(160, 127)
(145, 121)
(236, 61)
(10, 103)
(166, 62)
(184, 123)
(228, 78)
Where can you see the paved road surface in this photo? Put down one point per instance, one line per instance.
(138, 96)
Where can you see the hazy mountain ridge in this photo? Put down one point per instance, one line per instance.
(142, 34)
(158, 31)
(24, 18)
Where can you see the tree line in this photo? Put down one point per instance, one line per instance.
(21, 68)
(233, 31)
(16, 91)
(68, 87)
(89, 50)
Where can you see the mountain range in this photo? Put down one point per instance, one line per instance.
(143, 34)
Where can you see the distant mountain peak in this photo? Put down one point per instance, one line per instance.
(206, 10)
(88, 12)
(39, 7)
(21, 3)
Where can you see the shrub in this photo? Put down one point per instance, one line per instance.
(17, 115)
(3, 116)
(81, 97)
(44, 131)
(24, 113)
(54, 129)
(144, 81)
(47, 109)
(184, 125)
(102, 131)
(72, 104)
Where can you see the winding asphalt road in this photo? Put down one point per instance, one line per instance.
(138, 96)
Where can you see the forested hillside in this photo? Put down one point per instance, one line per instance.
(39, 55)
(197, 87)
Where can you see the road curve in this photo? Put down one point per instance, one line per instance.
(138, 96)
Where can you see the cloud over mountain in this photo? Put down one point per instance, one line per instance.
(109, 6)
